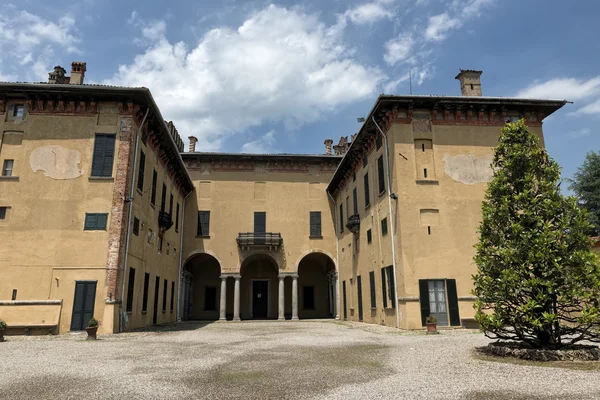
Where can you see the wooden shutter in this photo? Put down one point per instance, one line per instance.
(203, 223)
(367, 194)
(373, 295)
(452, 302)
(383, 288)
(355, 200)
(77, 316)
(109, 155)
(260, 222)
(164, 306)
(315, 223)
(141, 170)
(391, 285)
(424, 299)
(90, 222)
(146, 287)
(171, 205)
(154, 183)
(130, 287)
(172, 295)
(344, 295)
(101, 220)
(380, 174)
(98, 154)
(341, 218)
(163, 201)
(177, 218)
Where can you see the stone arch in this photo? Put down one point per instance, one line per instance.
(197, 252)
(201, 286)
(317, 285)
(303, 255)
(249, 256)
(259, 291)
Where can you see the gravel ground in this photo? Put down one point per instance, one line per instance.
(277, 360)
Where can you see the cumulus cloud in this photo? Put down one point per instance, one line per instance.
(562, 88)
(280, 65)
(580, 133)
(263, 144)
(369, 12)
(590, 109)
(439, 26)
(399, 49)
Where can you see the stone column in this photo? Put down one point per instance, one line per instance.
(295, 297)
(281, 316)
(236, 298)
(222, 307)
(336, 290)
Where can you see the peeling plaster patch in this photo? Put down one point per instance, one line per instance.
(57, 162)
(468, 168)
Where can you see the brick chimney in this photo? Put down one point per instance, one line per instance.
(328, 144)
(58, 75)
(77, 73)
(193, 140)
(470, 82)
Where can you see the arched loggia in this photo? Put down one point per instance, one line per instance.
(201, 288)
(316, 286)
(259, 287)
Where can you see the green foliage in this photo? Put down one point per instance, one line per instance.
(2, 325)
(538, 281)
(93, 323)
(586, 185)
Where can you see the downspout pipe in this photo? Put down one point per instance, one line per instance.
(337, 254)
(130, 201)
(181, 257)
(389, 193)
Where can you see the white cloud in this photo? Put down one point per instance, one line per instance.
(263, 144)
(562, 88)
(280, 65)
(590, 109)
(439, 26)
(369, 12)
(580, 133)
(398, 49)
(392, 86)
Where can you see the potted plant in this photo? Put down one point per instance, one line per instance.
(431, 323)
(2, 328)
(92, 329)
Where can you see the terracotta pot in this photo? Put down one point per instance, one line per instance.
(431, 327)
(91, 333)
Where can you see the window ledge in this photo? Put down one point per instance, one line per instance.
(152, 205)
(203, 236)
(139, 191)
(381, 193)
(101, 178)
(9, 178)
(373, 308)
(129, 312)
(144, 312)
(367, 206)
(316, 237)
(427, 182)
(164, 311)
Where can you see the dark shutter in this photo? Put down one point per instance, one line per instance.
(344, 295)
(383, 291)
(315, 223)
(98, 154)
(172, 295)
(109, 155)
(77, 317)
(163, 201)
(424, 299)
(359, 290)
(260, 222)
(141, 170)
(378, 141)
(203, 223)
(391, 285)
(155, 310)
(146, 285)
(164, 308)
(101, 220)
(369, 236)
(136, 226)
(452, 302)
(130, 287)
(367, 194)
(177, 217)
(373, 295)
(171, 205)
(154, 183)
(341, 218)
(380, 174)
(90, 222)
(355, 200)
(384, 228)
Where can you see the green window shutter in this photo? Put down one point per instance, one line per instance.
(315, 223)
(109, 155)
(101, 221)
(383, 289)
(203, 223)
(141, 170)
(341, 218)
(90, 222)
(177, 217)
(171, 205)
(452, 302)
(424, 299)
(367, 194)
(163, 201)
(145, 298)
(391, 285)
(130, 287)
(154, 183)
(381, 174)
(98, 154)
(355, 200)
(373, 295)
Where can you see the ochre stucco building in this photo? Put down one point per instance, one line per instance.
(103, 214)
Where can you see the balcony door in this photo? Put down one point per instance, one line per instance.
(260, 227)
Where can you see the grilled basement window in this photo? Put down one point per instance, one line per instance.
(7, 168)
(369, 236)
(203, 223)
(95, 222)
(145, 298)
(154, 183)
(136, 226)
(142, 168)
(103, 156)
(130, 287)
(3, 213)
(384, 228)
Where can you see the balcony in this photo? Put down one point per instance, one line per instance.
(353, 224)
(164, 221)
(250, 240)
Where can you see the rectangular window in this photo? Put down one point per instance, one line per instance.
(103, 155)
(14, 295)
(7, 168)
(379, 141)
(308, 297)
(171, 205)
(383, 288)
(136, 226)
(356, 244)
(341, 218)
(389, 273)
(355, 201)
(369, 236)
(177, 218)
(210, 298)
(130, 287)
(367, 194)
(154, 183)
(150, 235)
(373, 295)
(145, 298)
(384, 227)
(163, 201)
(159, 243)
(18, 110)
(165, 295)
(95, 222)
(172, 294)
(203, 223)
(380, 175)
(353, 176)
(3, 213)
(142, 168)
(315, 223)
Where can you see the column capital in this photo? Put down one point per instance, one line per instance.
(288, 274)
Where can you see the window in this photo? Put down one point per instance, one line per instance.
(168, 248)
(378, 141)
(154, 183)
(383, 288)
(163, 201)
(7, 168)
(424, 172)
(341, 218)
(308, 297)
(130, 287)
(150, 235)
(356, 240)
(136, 226)
(177, 218)
(165, 296)
(355, 201)
(353, 176)
(203, 223)
(145, 299)
(14, 295)
(369, 236)
(367, 194)
(387, 277)
(384, 227)
(3, 213)
(439, 298)
(171, 204)
(365, 160)
(142, 167)
(172, 294)
(380, 175)
(18, 110)
(373, 295)
(95, 222)
(159, 243)
(210, 298)
(315, 224)
(104, 153)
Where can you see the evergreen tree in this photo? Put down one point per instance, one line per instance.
(538, 281)
(586, 185)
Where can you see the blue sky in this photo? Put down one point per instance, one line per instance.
(259, 76)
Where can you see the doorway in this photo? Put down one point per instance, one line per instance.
(260, 299)
(83, 304)
(437, 301)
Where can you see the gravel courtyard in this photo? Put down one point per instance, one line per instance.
(276, 360)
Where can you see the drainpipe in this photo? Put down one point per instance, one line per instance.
(130, 200)
(181, 257)
(389, 192)
(337, 254)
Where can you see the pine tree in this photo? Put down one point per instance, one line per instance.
(538, 281)
(586, 185)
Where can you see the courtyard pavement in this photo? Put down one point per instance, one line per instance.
(276, 360)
